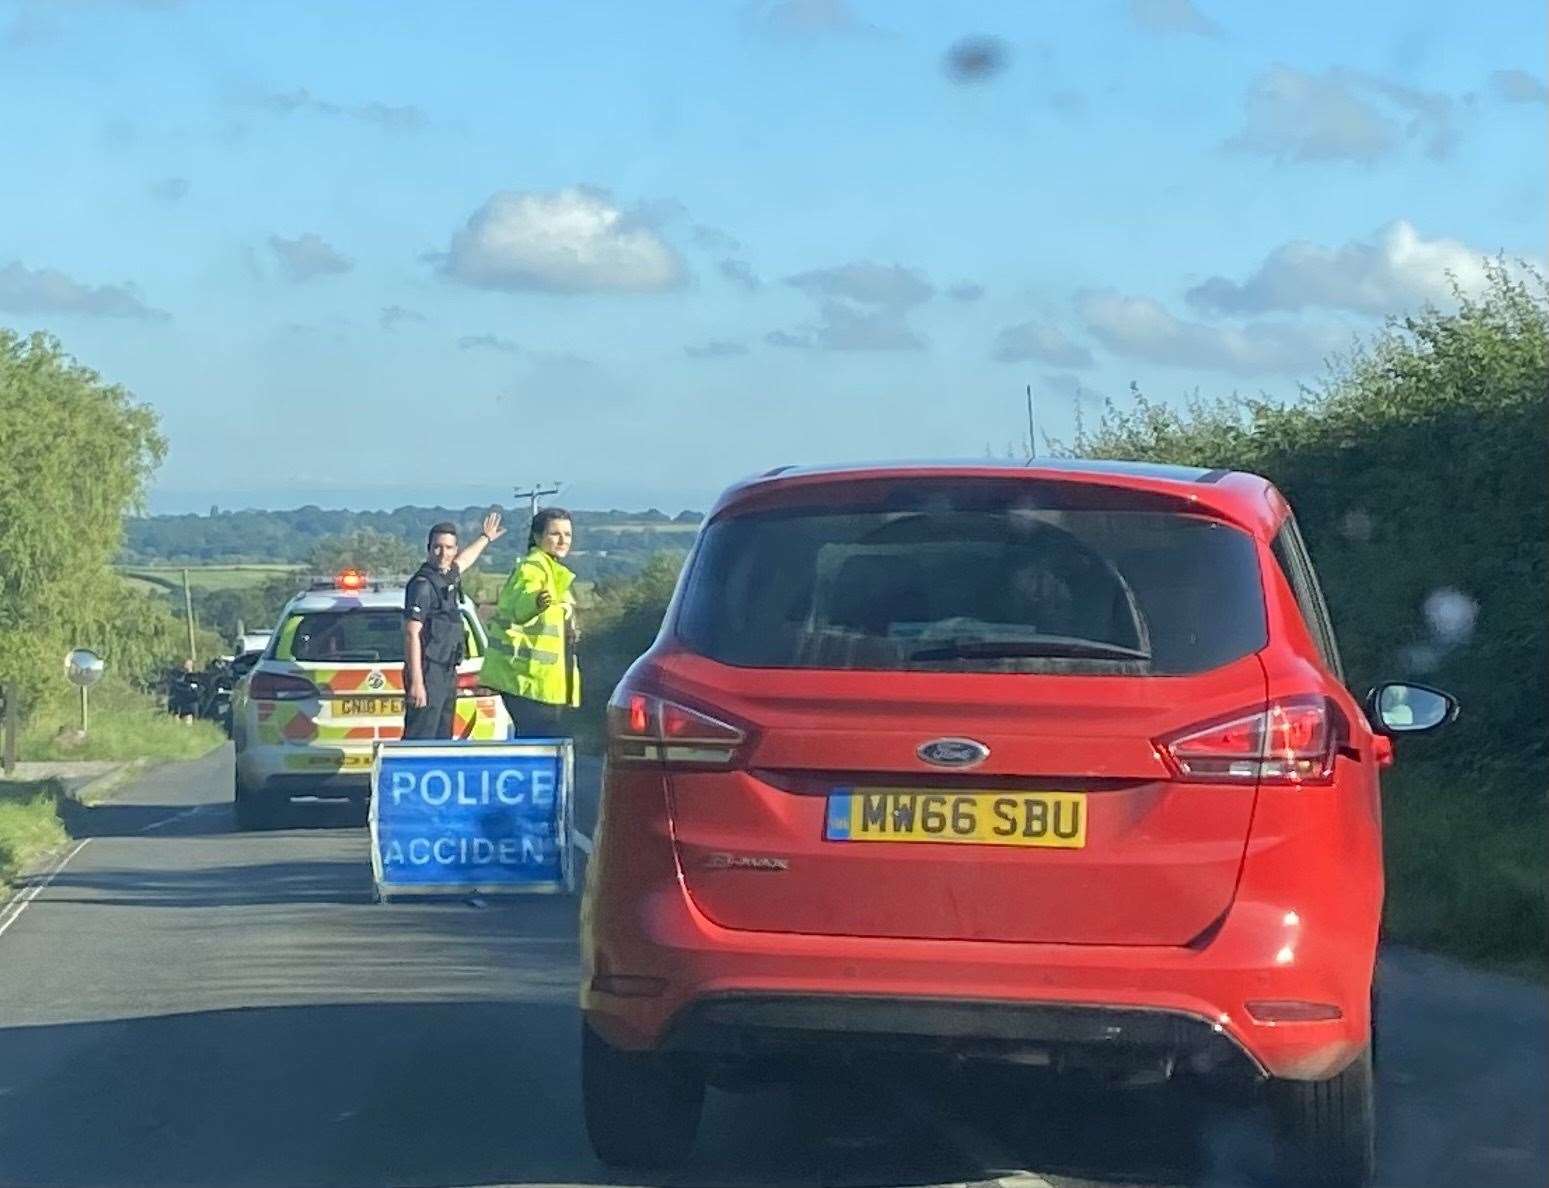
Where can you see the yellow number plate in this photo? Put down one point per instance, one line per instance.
(330, 762)
(372, 707)
(976, 818)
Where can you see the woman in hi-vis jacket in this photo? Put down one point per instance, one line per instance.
(531, 656)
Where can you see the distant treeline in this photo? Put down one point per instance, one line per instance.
(608, 544)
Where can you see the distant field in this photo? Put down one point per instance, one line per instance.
(204, 577)
(681, 529)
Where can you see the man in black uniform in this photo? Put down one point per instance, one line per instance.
(433, 629)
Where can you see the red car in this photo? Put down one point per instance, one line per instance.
(1051, 764)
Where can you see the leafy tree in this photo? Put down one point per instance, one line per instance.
(75, 455)
(251, 608)
(379, 553)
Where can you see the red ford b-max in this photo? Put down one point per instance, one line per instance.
(1048, 763)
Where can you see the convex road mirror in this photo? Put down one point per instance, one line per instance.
(84, 667)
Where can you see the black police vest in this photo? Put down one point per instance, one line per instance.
(437, 594)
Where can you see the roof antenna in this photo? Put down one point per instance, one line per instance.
(1032, 427)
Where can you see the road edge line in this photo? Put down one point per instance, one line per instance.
(14, 910)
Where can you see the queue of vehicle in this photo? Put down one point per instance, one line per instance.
(1048, 764)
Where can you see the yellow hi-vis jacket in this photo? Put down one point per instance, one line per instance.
(529, 652)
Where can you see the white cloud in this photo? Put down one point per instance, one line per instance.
(1518, 86)
(574, 240)
(713, 239)
(1038, 340)
(393, 316)
(1172, 16)
(886, 285)
(40, 22)
(806, 18)
(843, 327)
(307, 256)
(31, 291)
(1395, 270)
(1340, 115)
(716, 348)
(1063, 383)
(402, 118)
(487, 342)
(861, 307)
(1140, 328)
(741, 274)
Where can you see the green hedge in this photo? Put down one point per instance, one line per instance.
(29, 824)
(1419, 469)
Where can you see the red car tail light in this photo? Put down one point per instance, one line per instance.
(1292, 740)
(280, 686)
(644, 728)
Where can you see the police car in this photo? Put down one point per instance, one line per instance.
(329, 687)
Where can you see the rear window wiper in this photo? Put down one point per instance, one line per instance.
(1050, 646)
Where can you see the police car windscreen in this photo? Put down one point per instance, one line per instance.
(361, 635)
(984, 586)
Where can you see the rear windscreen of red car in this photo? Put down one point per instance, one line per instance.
(988, 578)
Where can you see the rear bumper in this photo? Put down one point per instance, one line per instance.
(708, 983)
(755, 1027)
(1301, 930)
(344, 786)
(297, 767)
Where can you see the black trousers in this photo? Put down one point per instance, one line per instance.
(535, 719)
(435, 720)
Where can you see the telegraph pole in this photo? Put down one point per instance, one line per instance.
(1032, 427)
(188, 615)
(531, 494)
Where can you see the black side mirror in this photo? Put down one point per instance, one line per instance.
(1400, 708)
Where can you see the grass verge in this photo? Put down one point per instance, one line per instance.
(29, 824)
(1465, 863)
(125, 724)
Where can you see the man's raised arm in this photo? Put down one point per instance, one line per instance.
(492, 532)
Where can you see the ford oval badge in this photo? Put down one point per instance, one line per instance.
(953, 752)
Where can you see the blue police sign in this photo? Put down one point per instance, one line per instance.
(456, 818)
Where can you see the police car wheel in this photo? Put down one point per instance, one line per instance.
(253, 809)
(1325, 1130)
(642, 1108)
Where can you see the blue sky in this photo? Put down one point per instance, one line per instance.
(367, 254)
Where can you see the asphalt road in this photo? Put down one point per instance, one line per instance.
(185, 1004)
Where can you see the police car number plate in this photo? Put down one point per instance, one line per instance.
(369, 706)
(1055, 819)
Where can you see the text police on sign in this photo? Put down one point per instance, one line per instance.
(471, 816)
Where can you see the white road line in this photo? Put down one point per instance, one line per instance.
(198, 808)
(581, 841)
(19, 905)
